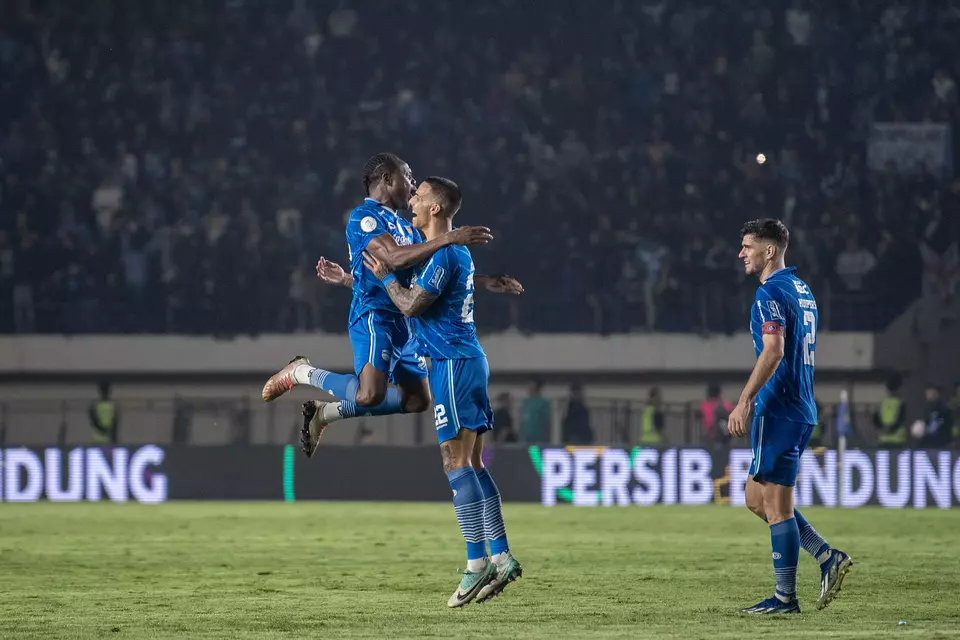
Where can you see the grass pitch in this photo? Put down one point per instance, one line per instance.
(344, 570)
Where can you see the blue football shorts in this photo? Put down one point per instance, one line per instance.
(777, 447)
(460, 399)
(384, 340)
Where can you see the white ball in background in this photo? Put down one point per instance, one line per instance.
(917, 429)
(761, 158)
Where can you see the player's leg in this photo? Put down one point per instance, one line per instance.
(457, 441)
(410, 374)
(811, 540)
(373, 338)
(834, 564)
(774, 469)
(753, 496)
(495, 530)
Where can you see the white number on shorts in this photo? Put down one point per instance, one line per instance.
(809, 338)
(440, 415)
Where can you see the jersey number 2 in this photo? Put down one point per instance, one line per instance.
(809, 337)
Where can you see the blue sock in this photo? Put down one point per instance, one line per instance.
(810, 540)
(468, 502)
(345, 388)
(785, 539)
(493, 527)
(341, 385)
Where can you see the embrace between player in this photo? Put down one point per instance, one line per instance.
(779, 392)
(394, 289)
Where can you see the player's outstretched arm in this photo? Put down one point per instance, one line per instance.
(332, 273)
(410, 301)
(394, 257)
(499, 284)
(763, 370)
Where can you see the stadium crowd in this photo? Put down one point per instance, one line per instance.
(181, 166)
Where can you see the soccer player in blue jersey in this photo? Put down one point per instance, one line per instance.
(439, 303)
(779, 393)
(383, 350)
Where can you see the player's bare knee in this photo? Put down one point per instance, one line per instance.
(476, 456)
(415, 403)
(370, 396)
(757, 509)
(454, 456)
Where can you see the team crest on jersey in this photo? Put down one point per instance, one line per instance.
(385, 355)
(368, 224)
(436, 281)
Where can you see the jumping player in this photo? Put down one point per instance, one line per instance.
(440, 304)
(379, 334)
(783, 321)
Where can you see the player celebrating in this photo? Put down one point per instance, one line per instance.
(783, 321)
(382, 347)
(440, 302)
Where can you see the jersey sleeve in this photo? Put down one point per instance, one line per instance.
(437, 273)
(769, 312)
(362, 227)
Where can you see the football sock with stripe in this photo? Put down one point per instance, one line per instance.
(785, 540)
(494, 528)
(345, 387)
(810, 540)
(468, 503)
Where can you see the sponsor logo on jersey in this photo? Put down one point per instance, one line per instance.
(436, 280)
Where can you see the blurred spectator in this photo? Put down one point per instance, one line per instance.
(504, 429)
(104, 416)
(576, 421)
(938, 421)
(954, 403)
(890, 418)
(854, 264)
(535, 415)
(713, 414)
(652, 420)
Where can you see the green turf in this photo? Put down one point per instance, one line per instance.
(341, 570)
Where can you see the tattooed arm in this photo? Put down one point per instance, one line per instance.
(411, 301)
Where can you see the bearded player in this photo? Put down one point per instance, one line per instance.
(779, 392)
(439, 303)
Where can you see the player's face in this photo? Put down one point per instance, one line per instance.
(402, 186)
(753, 252)
(421, 204)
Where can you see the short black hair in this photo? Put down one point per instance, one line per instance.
(448, 191)
(767, 229)
(377, 167)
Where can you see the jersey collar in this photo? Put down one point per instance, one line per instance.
(380, 204)
(785, 270)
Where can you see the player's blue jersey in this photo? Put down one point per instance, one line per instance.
(785, 304)
(446, 330)
(369, 220)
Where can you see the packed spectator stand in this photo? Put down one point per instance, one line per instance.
(180, 167)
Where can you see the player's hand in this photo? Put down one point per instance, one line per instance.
(375, 266)
(503, 284)
(738, 419)
(469, 235)
(330, 272)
